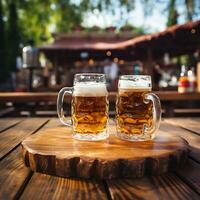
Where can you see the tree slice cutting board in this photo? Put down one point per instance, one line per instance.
(54, 151)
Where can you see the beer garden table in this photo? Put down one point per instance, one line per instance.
(20, 99)
(18, 182)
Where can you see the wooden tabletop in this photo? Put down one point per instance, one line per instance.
(18, 182)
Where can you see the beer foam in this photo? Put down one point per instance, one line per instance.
(136, 85)
(90, 89)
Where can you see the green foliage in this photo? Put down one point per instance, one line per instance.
(173, 14)
(2, 45)
(190, 8)
(13, 35)
(37, 19)
(66, 16)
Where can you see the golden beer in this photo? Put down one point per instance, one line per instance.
(133, 112)
(89, 107)
(89, 114)
(138, 110)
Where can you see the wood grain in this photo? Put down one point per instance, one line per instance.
(8, 123)
(13, 174)
(55, 152)
(49, 187)
(164, 187)
(190, 174)
(13, 136)
(186, 123)
(192, 138)
(13, 171)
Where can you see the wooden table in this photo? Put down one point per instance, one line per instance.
(18, 182)
(24, 97)
(20, 99)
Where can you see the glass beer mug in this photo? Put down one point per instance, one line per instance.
(89, 107)
(138, 110)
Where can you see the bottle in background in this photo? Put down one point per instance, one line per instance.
(183, 85)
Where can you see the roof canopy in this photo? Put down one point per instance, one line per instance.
(176, 40)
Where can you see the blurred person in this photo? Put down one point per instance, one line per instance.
(106, 68)
(157, 75)
(114, 71)
(111, 69)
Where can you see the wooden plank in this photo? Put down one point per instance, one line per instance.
(12, 137)
(43, 187)
(14, 174)
(186, 123)
(192, 138)
(167, 186)
(8, 123)
(190, 174)
(53, 122)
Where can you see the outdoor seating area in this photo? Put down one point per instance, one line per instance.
(25, 103)
(100, 99)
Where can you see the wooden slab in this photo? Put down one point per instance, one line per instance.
(54, 151)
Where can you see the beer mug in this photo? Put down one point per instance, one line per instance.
(89, 107)
(138, 110)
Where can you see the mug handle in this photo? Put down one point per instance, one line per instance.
(60, 99)
(156, 111)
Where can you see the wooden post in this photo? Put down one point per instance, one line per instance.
(198, 76)
(57, 74)
(148, 63)
(30, 81)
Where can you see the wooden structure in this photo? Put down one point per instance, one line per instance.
(67, 48)
(169, 99)
(18, 182)
(25, 97)
(176, 40)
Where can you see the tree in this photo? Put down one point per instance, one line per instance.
(190, 8)
(66, 16)
(13, 36)
(2, 46)
(173, 14)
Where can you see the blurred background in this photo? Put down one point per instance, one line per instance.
(44, 43)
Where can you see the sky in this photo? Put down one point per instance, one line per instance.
(152, 23)
(155, 22)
